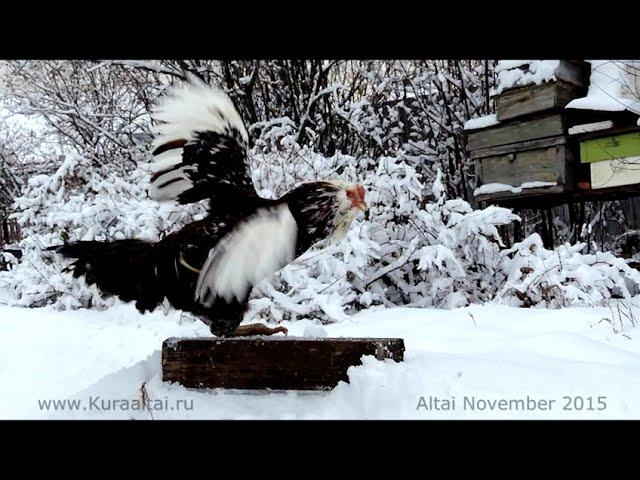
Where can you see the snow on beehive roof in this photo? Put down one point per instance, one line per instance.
(614, 86)
(516, 73)
(481, 122)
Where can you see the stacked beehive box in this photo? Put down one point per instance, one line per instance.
(613, 158)
(607, 129)
(524, 150)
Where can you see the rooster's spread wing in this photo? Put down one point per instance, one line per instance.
(200, 147)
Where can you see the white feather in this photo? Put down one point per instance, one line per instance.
(251, 252)
(164, 161)
(167, 159)
(191, 107)
(172, 190)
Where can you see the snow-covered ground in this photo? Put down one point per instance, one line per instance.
(475, 355)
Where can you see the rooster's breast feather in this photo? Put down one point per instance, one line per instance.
(257, 247)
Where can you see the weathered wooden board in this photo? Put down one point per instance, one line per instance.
(622, 120)
(576, 72)
(517, 131)
(540, 198)
(541, 165)
(518, 147)
(535, 99)
(527, 194)
(610, 147)
(277, 363)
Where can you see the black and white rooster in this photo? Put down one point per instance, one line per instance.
(209, 267)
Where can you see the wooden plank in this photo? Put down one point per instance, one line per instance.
(518, 147)
(277, 363)
(622, 119)
(530, 99)
(541, 165)
(500, 197)
(610, 147)
(614, 173)
(543, 199)
(616, 130)
(524, 100)
(517, 131)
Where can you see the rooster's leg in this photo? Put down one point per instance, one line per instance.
(256, 329)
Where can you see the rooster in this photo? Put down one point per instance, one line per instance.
(210, 266)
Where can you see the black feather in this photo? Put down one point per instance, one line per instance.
(126, 268)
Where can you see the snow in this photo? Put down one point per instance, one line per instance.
(611, 88)
(511, 64)
(481, 122)
(590, 127)
(517, 73)
(490, 188)
(314, 331)
(483, 353)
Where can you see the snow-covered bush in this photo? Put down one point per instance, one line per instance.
(400, 123)
(563, 277)
(400, 254)
(444, 255)
(415, 247)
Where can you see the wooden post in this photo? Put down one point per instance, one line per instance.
(278, 363)
(547, 232)
(518, 234)
(505, 234)
(4, 233)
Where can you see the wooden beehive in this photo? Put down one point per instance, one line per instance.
(521, 152)
(571, 82)
(527, 152)
(540, 98)
(613, 158)
(536, 152)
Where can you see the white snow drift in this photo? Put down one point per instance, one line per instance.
(475, 356)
